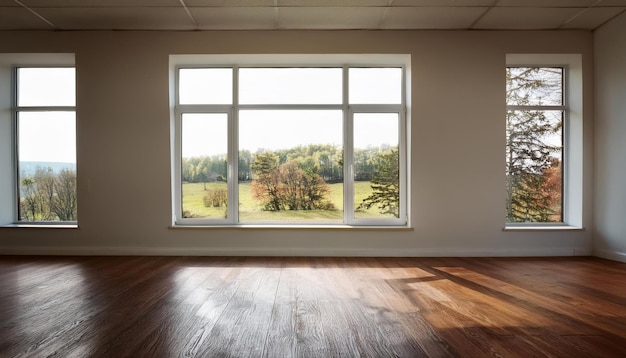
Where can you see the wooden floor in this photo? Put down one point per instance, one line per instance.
(311, 307)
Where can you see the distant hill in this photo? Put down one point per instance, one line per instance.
(29, 168)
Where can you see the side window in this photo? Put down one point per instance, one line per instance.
(45, 124)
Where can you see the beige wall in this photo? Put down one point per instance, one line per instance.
(610, 148)
(457, 144)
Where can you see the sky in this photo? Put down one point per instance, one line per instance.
(205, 134)
(47, 136)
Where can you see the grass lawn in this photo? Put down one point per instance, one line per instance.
(250, 210)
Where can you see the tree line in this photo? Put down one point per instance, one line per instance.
(298, 178)
(47, 195)
(326, 160)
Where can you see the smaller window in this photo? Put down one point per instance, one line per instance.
(45, 118)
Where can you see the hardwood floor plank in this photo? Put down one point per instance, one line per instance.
(311, 307)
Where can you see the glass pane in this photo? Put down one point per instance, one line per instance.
(204, 165)
(375, 85)
(376, 166)
(534, 86)
(290, 86)
(534, 170)
(290, 166)
(205, 85)
(48, 86)
(47, 166)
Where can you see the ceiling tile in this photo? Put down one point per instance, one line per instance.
(521, 18)
(330, 18)
(100, 3)
(612, 3)
(332, 3)
(233, 18)
(547, 3)
(147, 18)
(17, 18)
(228, 3)
(431, 17)
(594, 17)
(442, 3)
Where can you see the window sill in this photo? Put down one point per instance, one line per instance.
(41, 226)
(543, 228)
(290, 227)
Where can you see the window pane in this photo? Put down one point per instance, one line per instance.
(47, 166)
(46, 86)
(534, 86)
(204, 165)
(534, 170)
(376, 166)
(290, 86)
(375, 85)
(290, 166)
(205, 85)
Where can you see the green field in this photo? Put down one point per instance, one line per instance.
(250, 210)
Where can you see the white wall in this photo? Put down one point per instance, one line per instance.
(610, 141)
(457, 135)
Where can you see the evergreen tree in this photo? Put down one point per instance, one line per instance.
(385, 184)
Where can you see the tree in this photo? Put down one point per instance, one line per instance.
(266, 185)
(63, 203)
(385, 184)
(292, 185)
(530, 152)
(48, 196)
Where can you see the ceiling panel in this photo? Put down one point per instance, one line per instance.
(151, 18)
(330, 17)
(233, 18)
(99, 3)
(521, 18)
(308, 14)
(442, 3)
(431, 17)
(332, 3)
(17, 18)
(228, 3)
(594, 17)
(547, 3)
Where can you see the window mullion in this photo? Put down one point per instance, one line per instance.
(233, 152)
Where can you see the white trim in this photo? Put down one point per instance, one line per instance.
(8, 142)
(610, 255)
(288, 252)
(287, 60)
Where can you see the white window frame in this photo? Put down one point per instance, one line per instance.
(9, 62)
(572, 191)
(277, 61)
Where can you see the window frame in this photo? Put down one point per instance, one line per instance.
(8, 133)
(572, 133)
(178, 62)
(15, 113)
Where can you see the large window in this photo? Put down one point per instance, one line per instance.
(541, 168)
(45, 123)
(277, 144)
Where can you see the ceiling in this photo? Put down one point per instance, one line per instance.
(307, 14)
